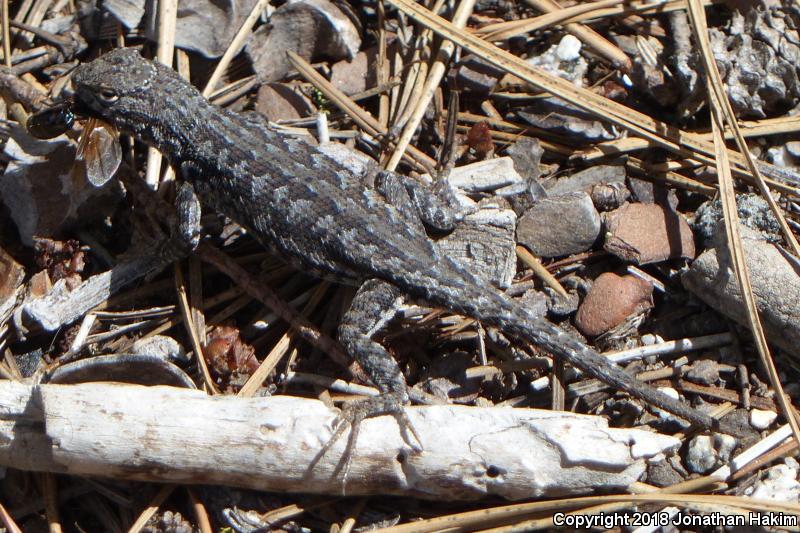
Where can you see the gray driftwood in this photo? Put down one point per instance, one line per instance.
(165, 434)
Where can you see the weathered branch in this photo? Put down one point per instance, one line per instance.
(175, 435)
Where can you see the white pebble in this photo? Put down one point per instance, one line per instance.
(762, 419)
(569, 49)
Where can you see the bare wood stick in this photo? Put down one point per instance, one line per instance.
(63, 306)
(167, 19)
(143, 433)
(463, 11)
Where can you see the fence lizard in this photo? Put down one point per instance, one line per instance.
(324, 220)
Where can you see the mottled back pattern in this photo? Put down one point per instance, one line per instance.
(313, 211)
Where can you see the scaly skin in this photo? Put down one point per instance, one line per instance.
(321, 218)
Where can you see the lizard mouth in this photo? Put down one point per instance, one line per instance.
(81, 110)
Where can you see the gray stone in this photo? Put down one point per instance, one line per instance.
(586, 179)
(477, 75)
(647, 192)
(559, 226)
(663, 474)
(775, 283)
(526, 154)
(701, 456)
(779, 483)
(556, 116)
(754, 213)
(704, 371)
(160, 346)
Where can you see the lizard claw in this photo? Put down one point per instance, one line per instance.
(351, 415)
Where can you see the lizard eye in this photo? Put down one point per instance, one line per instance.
(107, 96)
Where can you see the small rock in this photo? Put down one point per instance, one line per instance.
(701, 457)
(535, 302)
(522, 196)
(706, 453)
(762, 419)
(793, 147)
(526, 153)
(725, 445)
(666, 415)
(309, 28)
(780, 157)
(477, 75)
(649, 339)
(556, 116)
(563, 60)
(486, 175)
(559, 306)
(586, 179)
(559, 226)
(778, 484)
(662, 474)
(608, 196)
(160, 346)
(647, 192)
(356, 75)
(704, 371)
(569, 48)
(754, 213)
(278, 101)
(648, 233)
(773, 277)
(610, 301)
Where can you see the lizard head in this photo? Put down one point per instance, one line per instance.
(138, 96)
(114, 86)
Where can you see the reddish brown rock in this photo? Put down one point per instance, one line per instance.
(648, 233)
(278, 101)
(356, 75)
(611, 300)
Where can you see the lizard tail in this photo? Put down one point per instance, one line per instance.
(475, 298)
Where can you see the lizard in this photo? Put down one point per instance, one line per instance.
(324, 220)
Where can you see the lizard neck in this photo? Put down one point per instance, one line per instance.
(180, 125)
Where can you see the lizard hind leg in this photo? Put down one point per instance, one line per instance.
(374, 305)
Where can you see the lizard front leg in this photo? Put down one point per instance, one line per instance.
(436, 207)
(186, 234)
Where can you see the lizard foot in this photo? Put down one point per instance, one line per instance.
(353, 413)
